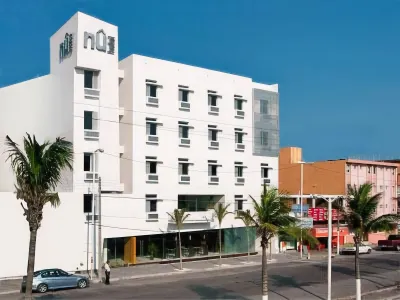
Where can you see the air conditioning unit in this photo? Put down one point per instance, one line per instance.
(184, 178)
(266, 181)
(213, 179)
(239, 113)
(89, 176)
(213, 110)
(152, 139)
(91, 134)
(240, 147)
(184, 105)
(152, 216)
(240, 180)
(185, 142)
(152, 178)
(214, 145)
(153, 101)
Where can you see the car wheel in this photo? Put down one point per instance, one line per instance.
(369, 251)
(398, 247)
(42, 288)
(82, 284)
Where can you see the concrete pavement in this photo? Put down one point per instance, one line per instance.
(295, 280)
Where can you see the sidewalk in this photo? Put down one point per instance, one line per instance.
(170, 269)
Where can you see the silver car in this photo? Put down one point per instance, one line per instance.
(53, 279)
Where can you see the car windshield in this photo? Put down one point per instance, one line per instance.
(36, 274)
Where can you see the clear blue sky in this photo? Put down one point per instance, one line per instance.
(337, 62)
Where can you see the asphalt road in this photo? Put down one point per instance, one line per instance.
(298, 280)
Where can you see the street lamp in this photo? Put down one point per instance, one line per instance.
(93, 211)
(329, 200)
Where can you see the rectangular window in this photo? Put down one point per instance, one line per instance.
(88, 120)
(151, 167)
(88, 79)
(264, 138)
(87, 203)
(264, 107)
(212, 170)
(213, 135)
(151, 128)
(239, 204)
(183, 131)
(184, 95)
(238, 104)
(183, 168)
(264, 172)
(212, 100)
(87, 162)
(151, 205)
(238, 171)
(239, 137)
(151, 90)
(369, 169)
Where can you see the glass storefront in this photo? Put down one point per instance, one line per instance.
(165, 246)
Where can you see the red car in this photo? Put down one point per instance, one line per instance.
(392, 243)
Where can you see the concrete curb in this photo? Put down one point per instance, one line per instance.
(386, 289)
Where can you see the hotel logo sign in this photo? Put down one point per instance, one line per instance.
(66, 47)
(100, 41)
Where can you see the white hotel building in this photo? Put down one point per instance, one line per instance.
(171, 136)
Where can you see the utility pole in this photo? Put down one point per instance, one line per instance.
(100, 249)
(301, 208)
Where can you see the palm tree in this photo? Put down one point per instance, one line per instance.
(221, 212)
(271, 218)
(247, 220)
(361, 219)
(179, 216)
(37, 170)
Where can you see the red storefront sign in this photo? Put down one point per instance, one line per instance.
(321, 214)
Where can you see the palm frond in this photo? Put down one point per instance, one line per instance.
(221, 211)
(178, 216)
(382, 223)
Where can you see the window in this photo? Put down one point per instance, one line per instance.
(238, 104)
(87, 203)
(369, 170)
(264, 171)
(151, 167)
(374, 170)
(183, 168)
(87, 162)
(88, 120)
(151, 127)
(184, 95)
(264, 107)
(213, 135)
(151, 204)
(347, 168)
(151, 90)
(239, 137)
(239, 202)
(212, 170)
(264, 138)
(183, 130)
(212, 100)
(62, 273)
(88, 79)
(238, 171)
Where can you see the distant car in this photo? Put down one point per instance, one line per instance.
(363, 249)
(392, 243)
(53, 279)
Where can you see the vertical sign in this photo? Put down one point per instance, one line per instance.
(66, 47)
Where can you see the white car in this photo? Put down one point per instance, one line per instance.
(363, 249)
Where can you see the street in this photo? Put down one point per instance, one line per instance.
(296, 280)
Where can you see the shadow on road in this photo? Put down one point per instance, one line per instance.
(283, 281)
(206, 292)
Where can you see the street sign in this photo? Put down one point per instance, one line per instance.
(306, 223)
(321, 214)
(296, 208)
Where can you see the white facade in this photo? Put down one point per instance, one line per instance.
(117, 108)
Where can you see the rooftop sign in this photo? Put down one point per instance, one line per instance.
(101, 41)
(66, 47)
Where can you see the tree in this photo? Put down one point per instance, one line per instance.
(37, 169)
(179, 216)
(360, 215)
(245, 216)
(221, 212)
(271, 218)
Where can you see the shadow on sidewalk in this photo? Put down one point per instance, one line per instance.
(206, 292)
(284, 281)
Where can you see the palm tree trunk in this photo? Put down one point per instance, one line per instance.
(264, 276)
(31, 263)
(180, 250)
(357, 269)
(270, 249)
(220, 246)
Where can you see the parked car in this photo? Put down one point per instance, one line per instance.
(352, 250)
(392, 243)
(53, 279)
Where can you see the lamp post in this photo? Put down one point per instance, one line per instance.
(329, 200)
(93, 212)
(301, 206)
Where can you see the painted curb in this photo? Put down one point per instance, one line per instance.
(386, 289)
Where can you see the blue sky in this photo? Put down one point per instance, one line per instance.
(337, 62)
